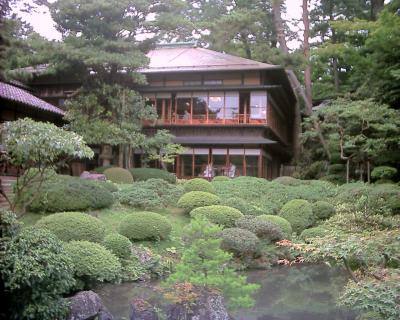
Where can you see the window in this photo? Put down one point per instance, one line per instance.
(231, 105)
(216, 105)
(212, 82)
(258, 105)
(199, 106)
(192, 83)
(183, 106)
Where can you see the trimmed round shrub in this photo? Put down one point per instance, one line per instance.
(196, 199)
(145, 226)
(118, 175)
(316, 232)
(65, 193)
(299, 213)
(288, 181)
(334, 178)
(118, 244)
(69, 226)
(93, 262)
(222, 215)
(198, 184)
(221, 178)
(383, 172)
(103, 168)
(242, 205)
(262, 228)
(323, 210)
(239, 241)
(282, 223)
(143, 174)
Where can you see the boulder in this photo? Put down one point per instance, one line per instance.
(142, 310)
(87, 305)
(93, 176)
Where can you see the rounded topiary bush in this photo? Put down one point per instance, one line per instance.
(221, 178)
(323, 210)
(282, 223)
(316, 232)
(103, 168)
(288, 181)
(222, 215)
(198, 184)
(118, 244)
(196, 199)
(118, 175)
(145, 225)
(92, 262)
(299, 213)
(143, 174)
(69, 226)
(262, 228)
(65, 193)
(334, 178)
(383, 172)
(239, 241)
(238, 203)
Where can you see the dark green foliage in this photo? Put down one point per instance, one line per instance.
(149, 194)
(288, 181)
(92, 262)
(383, 172)
(323, 210)
(142, 174)
(334, 178)
(69, 226)
(285, 225)
(102, 168)
(198, 184)
(196, 199)
(239, 241)
(65, 193)
(299, 213)
(118, 244)
(145, 225)
(118, 175)
(221, 215)
(36, 272)
(337, 168)
(261, 227)
(313, 233)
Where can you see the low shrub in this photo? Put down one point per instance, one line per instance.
(334, 178)
(102, 168)
(288, 181)
(222, 215)
(196, 199)
(337, 168)
(198, 184)
(282, 223)
(239, 204)
(69, 226)
(65, 193)
(316, 232)
(92, 262)
(299, 213)
(143, 174)
(150, 194)
(110, 186)
(118, 244)
(145, 225)
(221, 178)
(323, 210)
(261, 227)
(118, 175)
(383, 172)
(239, 241)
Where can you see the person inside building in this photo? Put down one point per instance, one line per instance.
(209, 172)
(231, 170)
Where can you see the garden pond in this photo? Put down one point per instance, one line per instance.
(301, 292)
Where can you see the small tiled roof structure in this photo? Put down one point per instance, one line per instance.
(18, 95)
(170, 58)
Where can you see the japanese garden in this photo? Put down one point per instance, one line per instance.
(200, 160)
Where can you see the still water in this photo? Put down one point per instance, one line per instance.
(298, 293)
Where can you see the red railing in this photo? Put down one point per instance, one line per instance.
(210, 119)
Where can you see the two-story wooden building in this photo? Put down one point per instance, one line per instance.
(233, 115)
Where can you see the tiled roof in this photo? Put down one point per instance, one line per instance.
(170, 59)
(15, 94)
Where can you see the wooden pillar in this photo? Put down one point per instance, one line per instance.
(259, 164)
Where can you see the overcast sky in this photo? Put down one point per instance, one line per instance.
(43, 24)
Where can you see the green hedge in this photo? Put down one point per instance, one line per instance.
(198, 184)
(383, 172)
(145, 225)
(66, 193)
(142, 174)
(92, 262)
(288, 181)
(69, 226)
(221, 178)
(323, 210)
(299, 213)
(118, 175)
(282, 223)
(313, 233)
(222, 215)
(103, 168)
(242, 205)
(196, 199)
(261, 227)
(239, 241)
(118, 244)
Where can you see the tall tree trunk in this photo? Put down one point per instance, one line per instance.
(376, 7)
(306, 52)
(278, 22)
(121, 156)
